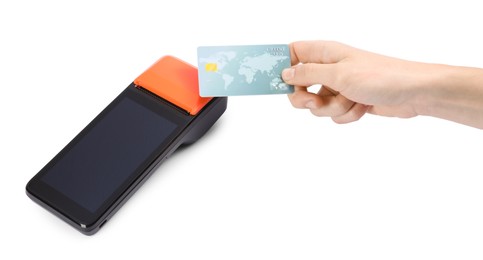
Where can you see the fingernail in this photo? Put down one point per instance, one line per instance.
(288, 74)
(310, 104)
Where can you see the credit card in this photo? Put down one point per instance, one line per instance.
(243, 70)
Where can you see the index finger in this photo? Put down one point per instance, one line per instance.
(323, 52)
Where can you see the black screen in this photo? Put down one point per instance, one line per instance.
(108, 154)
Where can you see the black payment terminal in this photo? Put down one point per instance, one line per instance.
(91, 177)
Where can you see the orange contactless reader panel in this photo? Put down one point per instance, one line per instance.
(176, 81)
(92, 177)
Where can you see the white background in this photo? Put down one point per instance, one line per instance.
(268, 181)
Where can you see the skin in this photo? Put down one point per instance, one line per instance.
(356, 82)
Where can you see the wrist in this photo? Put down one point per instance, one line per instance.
(431, 90)
(451, 92)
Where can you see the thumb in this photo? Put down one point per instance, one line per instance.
(310, 74)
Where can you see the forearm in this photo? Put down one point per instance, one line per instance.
(453, 93)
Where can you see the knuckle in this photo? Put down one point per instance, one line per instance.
(316, 112)
(310, 70)
(340, 78)
(340, 108)
(352, 115)
(346, 118)
(306, 73)
(340, 120)
(296, 99)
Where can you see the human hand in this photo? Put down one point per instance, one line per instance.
(354, 81)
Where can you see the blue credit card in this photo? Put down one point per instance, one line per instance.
(243, 70)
